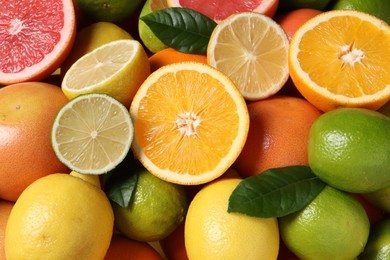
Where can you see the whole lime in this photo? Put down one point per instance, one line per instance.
(60, 216)
(211, 232)
(349, 149)
(157, 208)
(378, 245)
(109, 10)
(148, 38)
(378, 8)
(333, 226)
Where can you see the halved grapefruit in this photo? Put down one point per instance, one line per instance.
(35, 38)
(221, 9)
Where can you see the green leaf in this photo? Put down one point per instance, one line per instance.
(183, 29)
(275, 192)
(120, 183)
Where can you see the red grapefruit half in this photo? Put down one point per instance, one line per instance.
(221, 9)
(35, 38)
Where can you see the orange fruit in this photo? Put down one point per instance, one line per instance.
(170, 55)
(278, 134)
(292, 20)
(5, 210)
(218, 10)
(374, 213)
(122, 247)
(173, 245)
(36, 37)
(251, 49)
(340, 58)
(27, 112)
(191, 123)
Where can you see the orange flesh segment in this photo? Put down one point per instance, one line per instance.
(185, 140)
(361, 42)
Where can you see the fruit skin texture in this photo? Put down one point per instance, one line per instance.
(379, 198)
(292, 20)
(213, 233)
(157, 208)
(122, 247)
(5, 210)
(27, 112)
(349, 149)
(278, 134)
(60, 216)
(333, 226)
(148, 38)
(170, 55)
(378, 245)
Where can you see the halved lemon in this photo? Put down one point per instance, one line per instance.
(191, 123)
(252, 50)
(116, 68)
(92, 133)
(341, 58)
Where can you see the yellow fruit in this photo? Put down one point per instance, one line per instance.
(191, 123)
(91, 37)
(213, 233)
(92, 133)
(252, 50)
(333, 226)
(117, 69)
(340, 58)
(60, 216)
(157, 208)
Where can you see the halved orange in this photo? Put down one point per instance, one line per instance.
(342, 59)
(252, 50)
(191, 123)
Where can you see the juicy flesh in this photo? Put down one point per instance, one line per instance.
(255, 59)
(345, 56)
(92, 134)
(220, 9)
(193, 128)
(26, 37)
(100, 65)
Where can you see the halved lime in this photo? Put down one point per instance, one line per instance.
(92, 133)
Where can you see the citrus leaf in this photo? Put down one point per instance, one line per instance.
(120, 183)
(183, 29)
(275, 192)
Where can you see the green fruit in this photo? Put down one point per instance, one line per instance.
(349, 148)
(380, 199)
(298, 4)
(148, 38)
(157, 208)
(333, 226)
(109, 10)
(378, 8)
(378, 245)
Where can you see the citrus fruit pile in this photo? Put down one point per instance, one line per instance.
(185, 129)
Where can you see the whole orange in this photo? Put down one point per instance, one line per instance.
(5, 210)
(122, 247)
(173, 245)
(170, 55)
(278, 134)
(292, 20)
(27, 112)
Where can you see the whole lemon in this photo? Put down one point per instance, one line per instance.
(349, 148)
(60, 216)
(213, 233)
(333, 226)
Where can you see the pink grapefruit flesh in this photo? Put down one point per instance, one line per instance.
(221, 9)
(35, 37)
